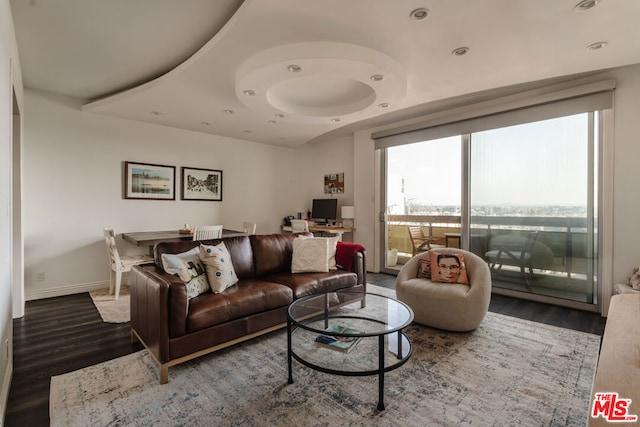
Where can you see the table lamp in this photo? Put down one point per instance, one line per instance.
(348, 213)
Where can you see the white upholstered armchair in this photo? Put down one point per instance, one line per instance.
(448, 306)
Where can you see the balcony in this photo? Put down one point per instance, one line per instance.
(562, 257)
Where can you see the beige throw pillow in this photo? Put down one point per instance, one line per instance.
(219, 267)
(310, 255)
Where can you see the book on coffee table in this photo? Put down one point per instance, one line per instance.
(343, 344)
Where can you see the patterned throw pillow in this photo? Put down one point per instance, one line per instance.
(448, 268)
(188, 267)
(310, 255)
(424, 268)
(219, 267)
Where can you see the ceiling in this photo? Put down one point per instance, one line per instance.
(286, 72)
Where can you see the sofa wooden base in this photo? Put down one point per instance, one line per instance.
(164, 367)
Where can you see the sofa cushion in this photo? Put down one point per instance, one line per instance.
(272, 253)
(245, 298)
(217, 262)
(314, 283)
(189, 268)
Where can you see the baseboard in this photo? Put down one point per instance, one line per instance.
(4, 393)
(66, 290)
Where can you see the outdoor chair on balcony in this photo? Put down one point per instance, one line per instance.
(523, 252)
(419, 242)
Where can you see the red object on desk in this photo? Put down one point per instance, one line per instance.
(345, 252)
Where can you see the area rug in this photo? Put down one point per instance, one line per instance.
(508, 372)
(110, 310)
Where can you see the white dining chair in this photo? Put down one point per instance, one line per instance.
(120, 264)
(299, 226)
(206, 232)
(249, 227)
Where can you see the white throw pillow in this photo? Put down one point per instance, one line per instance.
(188, 267)
(310, 255)
(333, 245)
(219, 267)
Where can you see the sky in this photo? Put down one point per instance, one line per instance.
(541, 163)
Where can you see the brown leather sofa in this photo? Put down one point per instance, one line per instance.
(175, 329)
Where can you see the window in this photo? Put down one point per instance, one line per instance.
(518, 187)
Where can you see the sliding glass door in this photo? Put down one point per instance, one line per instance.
(521, 197)
(423, 183)
(532, 206)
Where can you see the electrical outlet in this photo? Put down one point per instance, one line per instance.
(40, 276)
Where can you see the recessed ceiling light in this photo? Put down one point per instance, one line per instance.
(246, 131)
(294, 68)
(460, 51)
(419, 14)
(585, 5)
(335, 119)
(205, 123)
(597, 45)
(249, 92)
(280, 116)
(229, 111)
(272, 122)
(377, 77)
(156, 113)
(384, 105)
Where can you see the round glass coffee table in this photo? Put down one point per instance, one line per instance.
(349, 333)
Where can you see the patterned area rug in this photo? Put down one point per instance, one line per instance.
(110, 310)
(508, 372)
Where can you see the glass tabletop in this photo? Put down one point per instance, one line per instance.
(380, 314)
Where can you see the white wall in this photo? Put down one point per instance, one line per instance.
(73, 188)
(314, 161)
(626, 174)
(10, 80)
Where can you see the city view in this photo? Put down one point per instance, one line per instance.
(562, 211)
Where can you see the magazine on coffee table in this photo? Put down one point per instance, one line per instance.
(343, 344)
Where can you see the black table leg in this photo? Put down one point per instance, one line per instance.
(289, 361)
(381, 373)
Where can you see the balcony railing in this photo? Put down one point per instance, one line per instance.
(565, 237)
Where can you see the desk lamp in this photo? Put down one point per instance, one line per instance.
(348, 213)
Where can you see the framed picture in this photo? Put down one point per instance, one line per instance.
(201, 184)
(334, 183)
(148, 181)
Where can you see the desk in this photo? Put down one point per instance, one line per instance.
(324, 229)
(150, 238)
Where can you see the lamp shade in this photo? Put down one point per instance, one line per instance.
(348, 212)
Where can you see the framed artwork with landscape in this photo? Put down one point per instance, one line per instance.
(148, 181)
(201, 184)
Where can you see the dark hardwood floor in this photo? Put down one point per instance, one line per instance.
(64, 334)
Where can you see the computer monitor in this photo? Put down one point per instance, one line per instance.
(324, 210)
